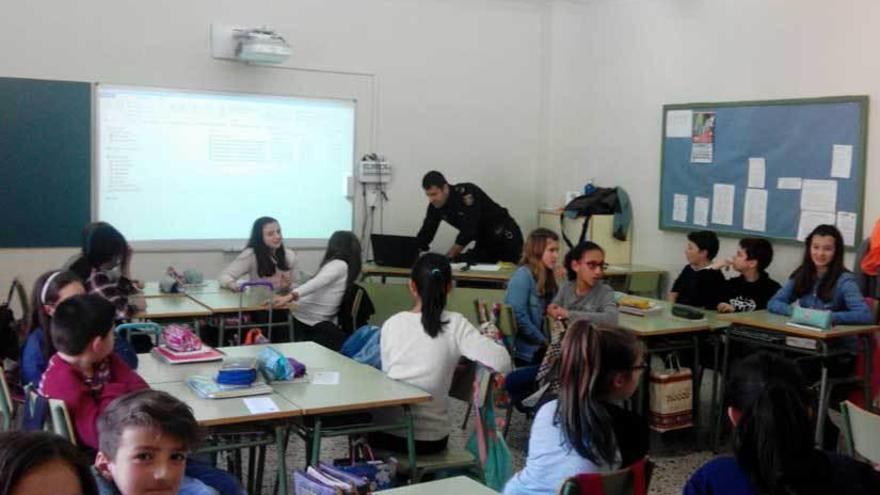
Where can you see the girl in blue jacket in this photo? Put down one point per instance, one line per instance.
(823, 282)
(530, 290)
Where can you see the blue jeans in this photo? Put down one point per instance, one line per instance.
(520, 383)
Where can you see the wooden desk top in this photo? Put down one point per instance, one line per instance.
(226, 301)
(172, 307)
(215, 412)
(769, 321)
(502, 275)
(360, 386)
(459, 485)
(151, 288)
(665, 323)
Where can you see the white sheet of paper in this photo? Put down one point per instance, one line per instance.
(757, 172)
(722, 203)
(679, 123)
(260, 405)
(846, 224)
(819, 195)
(702, 152)
(755, 210)
(701, 211)
(810, 220)
(325, 378)
(788, 183)
(680, 208)
(485, 267)
(841, 161)
(458, 265)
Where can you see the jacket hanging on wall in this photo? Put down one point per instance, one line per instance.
(601, 201)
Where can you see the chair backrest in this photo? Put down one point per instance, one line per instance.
(862, 431)
(642, 283)
(631, 480)
(61, 423)
(7, 406)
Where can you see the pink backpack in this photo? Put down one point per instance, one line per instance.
(181, 338)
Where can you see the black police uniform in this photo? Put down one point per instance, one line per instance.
(477, 218)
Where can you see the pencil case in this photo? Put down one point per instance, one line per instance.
(817, 318)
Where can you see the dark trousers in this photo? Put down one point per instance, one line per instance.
(325, 333)
(503, 243)
(386, 441)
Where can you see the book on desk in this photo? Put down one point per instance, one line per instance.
(203, 355)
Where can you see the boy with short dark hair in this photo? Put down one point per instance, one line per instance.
(697, 284)
(754, 287)
(145, 437)
(85, 372)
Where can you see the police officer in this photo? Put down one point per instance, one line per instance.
(477, 218)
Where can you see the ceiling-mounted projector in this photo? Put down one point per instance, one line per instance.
(261, 46)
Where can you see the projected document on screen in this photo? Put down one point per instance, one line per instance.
(181, 165)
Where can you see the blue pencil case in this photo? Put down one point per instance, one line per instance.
(237, 372)
(816, 318)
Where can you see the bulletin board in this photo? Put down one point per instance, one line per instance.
(772, 169)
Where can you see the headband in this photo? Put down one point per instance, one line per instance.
(46, 286)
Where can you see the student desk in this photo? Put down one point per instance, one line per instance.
(660, 331)
(151, 288)
(459, 485)
(360, 388)
(638, 278)
(500, 277)
(173, 308)
(226, 302)
(813, 343)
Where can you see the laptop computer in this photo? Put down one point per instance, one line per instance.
(394, 250)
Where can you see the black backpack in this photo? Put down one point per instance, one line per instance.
(10, 328)
(601, 201)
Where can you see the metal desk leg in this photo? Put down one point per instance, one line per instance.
(316, 442)
(713, 406)
(280, 449)
(410, 443)
(697, 379)
(869, 367)
(724, 369)
(221, 331)
(822, 411)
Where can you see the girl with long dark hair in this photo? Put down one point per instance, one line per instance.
(264, 258)
(772, 413)
(422, 346)
(823, 282)
(104, 266)
(319, 298)
(583, 430)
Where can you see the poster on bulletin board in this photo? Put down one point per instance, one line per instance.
(773, 169)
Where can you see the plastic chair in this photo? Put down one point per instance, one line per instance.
(631, 480)
(148, 328)
(60, 419)
(7, 406)
(861, 430)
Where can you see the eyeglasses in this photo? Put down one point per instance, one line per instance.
(592, 265)
(644, 366)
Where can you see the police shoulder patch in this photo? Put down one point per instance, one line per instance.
(468, 199)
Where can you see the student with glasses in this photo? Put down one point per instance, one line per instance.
(582, 297)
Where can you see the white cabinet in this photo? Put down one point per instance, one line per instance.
(599, 231)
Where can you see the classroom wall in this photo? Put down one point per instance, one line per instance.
(615, 63)
(456, 85)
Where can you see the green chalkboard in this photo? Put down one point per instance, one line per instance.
(45, 161)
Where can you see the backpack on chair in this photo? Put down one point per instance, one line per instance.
(10, 341)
